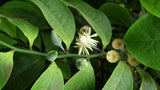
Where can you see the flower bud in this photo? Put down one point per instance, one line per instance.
(112, 56)
(132, 61)
(85, 29)
(81, 63)
(117, 43)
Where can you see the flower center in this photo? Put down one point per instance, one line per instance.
(83, 39)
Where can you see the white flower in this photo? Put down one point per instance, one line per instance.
(85, 41)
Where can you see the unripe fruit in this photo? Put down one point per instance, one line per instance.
(112, 56)
(117, 43)
(132, 61)
(81, 63)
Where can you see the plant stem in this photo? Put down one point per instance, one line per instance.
(45, 54)
(22, 50)
(81, 56)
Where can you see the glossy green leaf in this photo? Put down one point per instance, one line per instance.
(65, 68)
(26, 70)
(117, 14)
(143, 42)
(121, 78)
(52, 55)
(95, 18)
(7, 27)
(147, 82)
(6, 39)
(26, 11)
(59, 17)
(152, 6)
(51, 79)
(6, 65)
(82, 80)
(30, 31)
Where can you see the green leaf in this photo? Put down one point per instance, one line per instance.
(38, 42)
(26, 11)
(52, 55)
(26, 70)
(20, 36)
(7, 27)
(117, 14)
(152, 6)
(147, 82)
(82, 80)
(121, 78)
(7, 40)
(95, 18)
(51, 79)
(6, 65)
(65, 68)
(59, 17)
(30, 31)
(143, 40)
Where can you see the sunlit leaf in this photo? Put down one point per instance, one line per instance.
(51, 79)
(30, 31)
(6, 65)
(152, 6)
(121, 78)
(143, 42)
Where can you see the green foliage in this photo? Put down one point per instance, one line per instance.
(6, 64)
(121, 78)
(82, 80)
(147, 81)
(26, 70)
(7, 27)
(51, 79)
(143, 36)
(6, 39)
(25, 11)
(63, 24)
(42, 39)
(65, 68)
(117, 14)
(30, 31)
(152, 6)
(95, 18)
